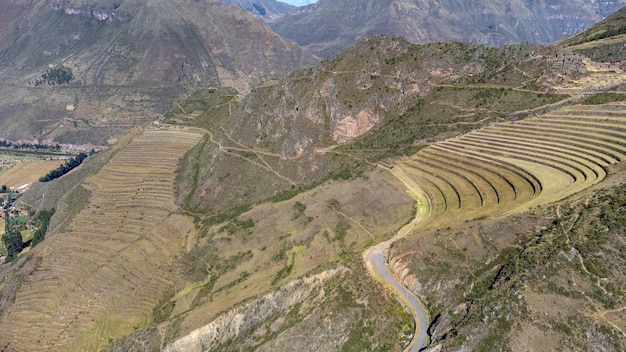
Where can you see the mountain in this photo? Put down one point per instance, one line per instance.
(267, 10)
(492, 178)
(126, 62)
(497, 254)
(330, 25)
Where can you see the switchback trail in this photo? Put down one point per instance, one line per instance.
(375, 260)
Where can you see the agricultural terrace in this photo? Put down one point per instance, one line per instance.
(101, 278)
(513, 166)
(599, 75)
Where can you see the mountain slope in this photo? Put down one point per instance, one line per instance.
(288, 184)
(377, 96)
(102, 274)
(605, 41)
(294, 130)
(267, 10)
(130, 61)
(330, 25)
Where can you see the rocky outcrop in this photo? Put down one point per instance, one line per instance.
(97, 13)
(241, 319)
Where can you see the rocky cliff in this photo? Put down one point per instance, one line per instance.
(242, 319)
(101, 14)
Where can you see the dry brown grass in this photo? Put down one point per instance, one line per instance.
(278, 229)
(27, 172)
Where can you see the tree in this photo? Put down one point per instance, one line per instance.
(4, 189)
(12, 240)
(41, 221)
(63, 169)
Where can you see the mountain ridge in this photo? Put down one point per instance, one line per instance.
(327, 26)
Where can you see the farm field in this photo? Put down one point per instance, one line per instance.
(514, 166)
(124, 241)
(27, 172)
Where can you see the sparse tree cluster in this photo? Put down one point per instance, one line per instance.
(12, 240)
(58, 75)
(65, 168)
(9, 144)
(41, 221)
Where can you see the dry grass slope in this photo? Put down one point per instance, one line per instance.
(101, 278)
(27, 172)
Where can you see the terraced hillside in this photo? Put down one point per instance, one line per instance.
(100, 278)
(514, 166)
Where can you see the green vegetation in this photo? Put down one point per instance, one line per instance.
(604, 33)
(12, 240)
(604, 98)
(341, 230)
(298, 209)
(596, 35)
(285, 271)
(41, 221)
(56, 76)
(68, 166)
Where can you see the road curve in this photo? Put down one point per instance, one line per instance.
(375, 261)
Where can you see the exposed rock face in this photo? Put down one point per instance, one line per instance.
(329, 25)
(240, 319)
(353, 92)
(99, 14)
(372, 85)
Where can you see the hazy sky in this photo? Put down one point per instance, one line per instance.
(299, 2)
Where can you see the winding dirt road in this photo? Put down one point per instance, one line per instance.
(375, 260)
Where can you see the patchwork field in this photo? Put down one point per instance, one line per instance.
(511, 167)
(27, 172)
(100, 279)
